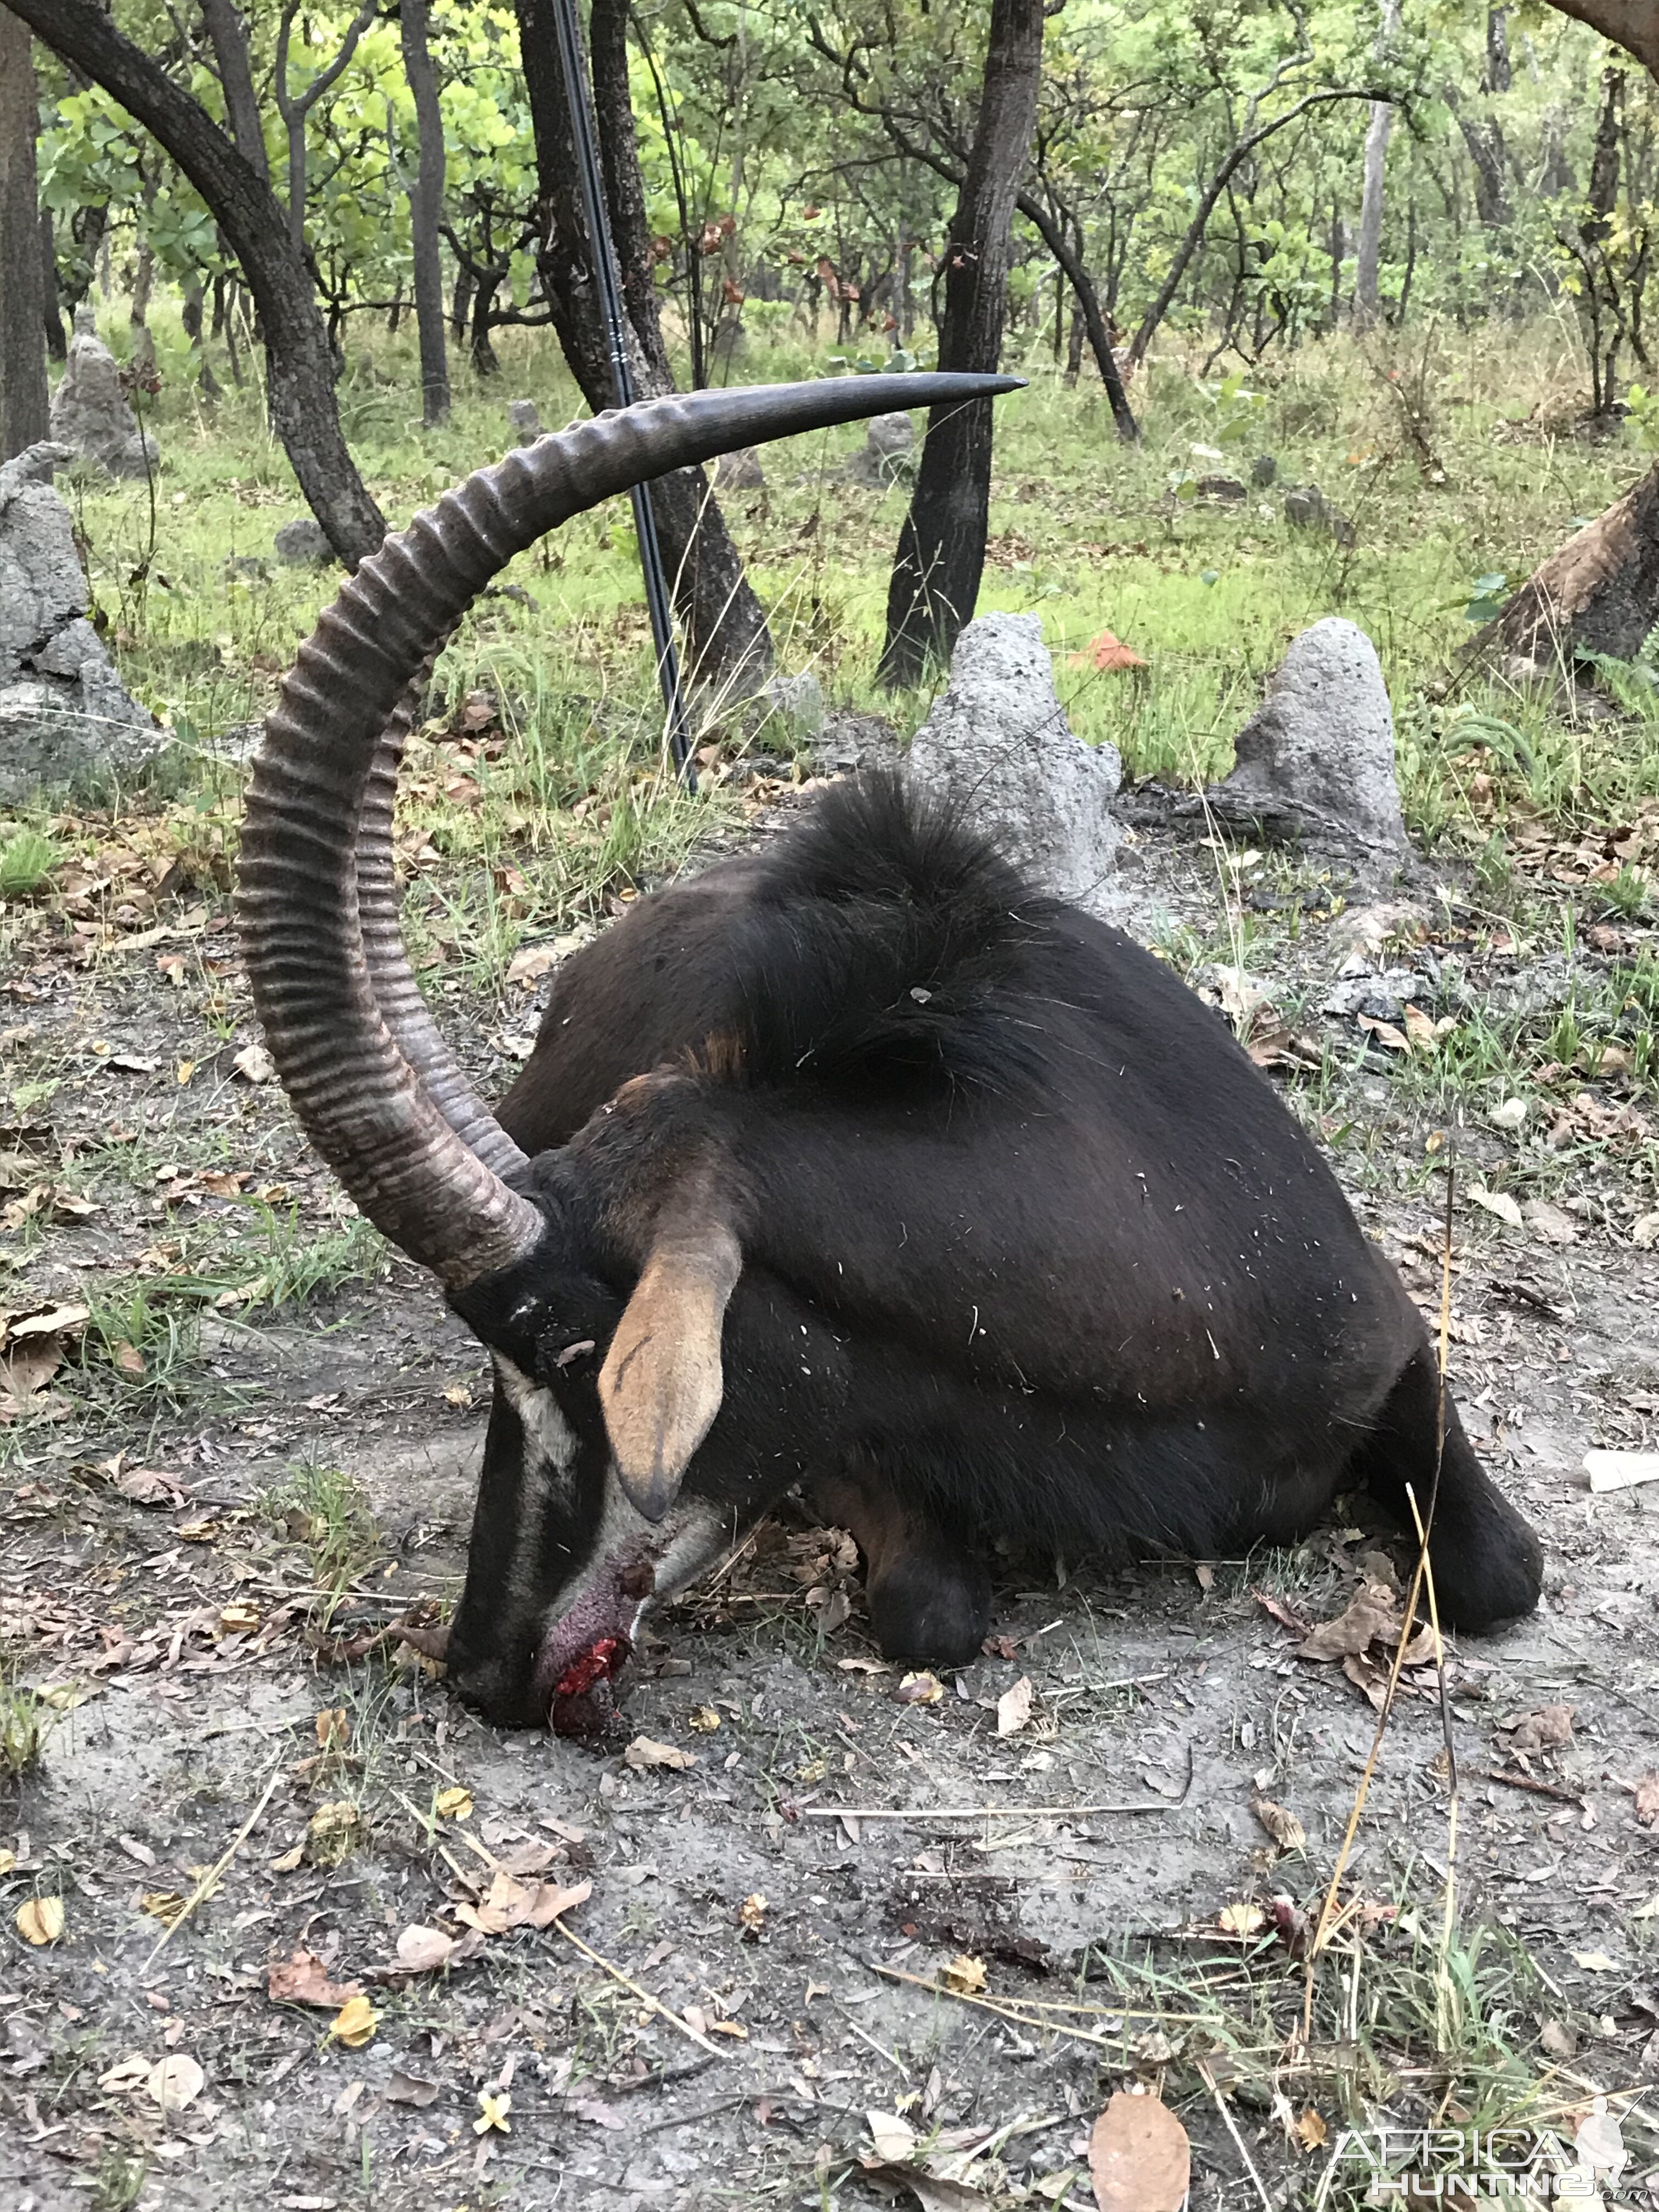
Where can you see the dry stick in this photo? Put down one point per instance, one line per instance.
(1222, 2107)
(654, 2004)
(984, 1812)
(216, 1870)
(1323, 1928)
(1539, 1788)
(1005, 2006)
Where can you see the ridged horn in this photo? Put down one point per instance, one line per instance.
(362, 1101)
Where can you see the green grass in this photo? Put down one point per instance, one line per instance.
(327, 1514)
(27, 857)
(1084, 533)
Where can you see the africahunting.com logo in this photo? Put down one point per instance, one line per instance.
(1448, 2166)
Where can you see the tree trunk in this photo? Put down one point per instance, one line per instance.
(228, 34)
(1368, 255)
(728, 646)
(1074, 347)
(426, 201)
(941, 549)
(1599, 593)
(460, 305)
(300, 364)
(1070, 257)
(23, 399)
(57, 342)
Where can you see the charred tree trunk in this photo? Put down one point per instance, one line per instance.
(1599, 593)
(1068, 252)
(23, 398)
(426, 201)
(300, 365)
(941, 549)
(728, 646)
(57, 342)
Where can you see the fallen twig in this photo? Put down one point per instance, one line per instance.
(1222, 2107)
(210, 1879)
(1538, 1789)
(654, 2004)
(999, 1812)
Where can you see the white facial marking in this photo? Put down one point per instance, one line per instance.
(692, 1534)
(548, 1458)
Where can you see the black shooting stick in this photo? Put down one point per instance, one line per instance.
(605, 270)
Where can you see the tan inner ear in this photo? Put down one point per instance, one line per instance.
(661, 1383)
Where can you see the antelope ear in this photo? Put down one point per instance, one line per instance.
(661, 1385)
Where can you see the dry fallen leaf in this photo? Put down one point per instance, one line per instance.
(162, 1904)
(921, 1689)
(1559, 2042)
(1311, 2132)
(1246, 1918)
(1647, 1800)
(454, 1804)
(1139, 2156)
(1371, 1617)
(1547, 1730)
(751, 1913)
(354, 2024)
(303, 1980)
(40, 1920)
(333, 1728)
(965, 1975)
(255, 1065)
(1287, 1831)
(410, 2089)
(893, 2137)
(1110, 654)
(705, 1720)
(423, 1950)
(931, 2190)
(333, 1833)
(1014, 1707)
(175, 2081)
(645, 1752)
(1499, 1202)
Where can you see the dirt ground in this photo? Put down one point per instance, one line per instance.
(856, 1897)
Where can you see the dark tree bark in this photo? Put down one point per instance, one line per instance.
(941, 549)
(228, 35)
(1069, 256)
(300, 363)
(1599, 593)
(23, 398)
(728, 646)
(426, 206)
(57, 341)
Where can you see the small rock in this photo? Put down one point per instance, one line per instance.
(92, 415)
(888, 452)
(739, 472)
(1264, 470)
(1549, 1222)
(1316, 758)
(1363, 931)
(850, 740)
(797, 703)
(64, 717)
(997, 741)
(1222, 487)
(525, 417)
(303, 543)
(1308, 508)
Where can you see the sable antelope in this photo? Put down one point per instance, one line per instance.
(854, 1161)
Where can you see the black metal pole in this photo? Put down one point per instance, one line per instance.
(604, 271)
